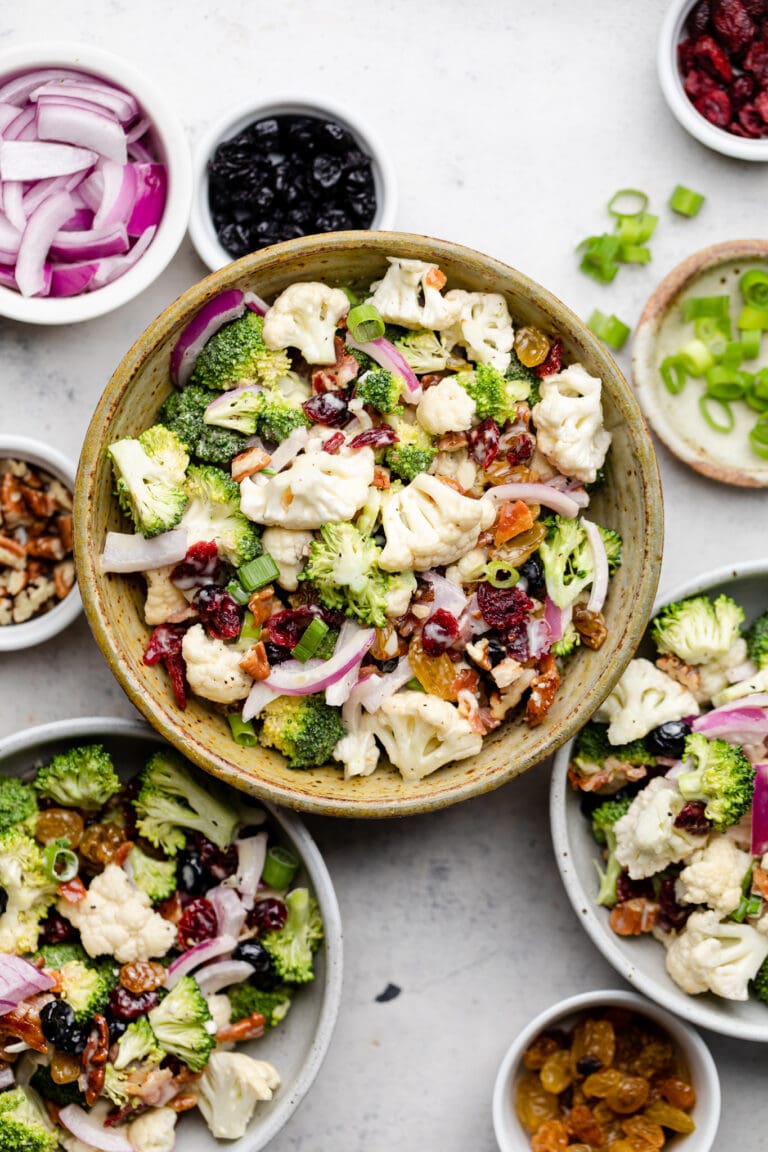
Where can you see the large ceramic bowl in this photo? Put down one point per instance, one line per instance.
(297, 1048)
(641, 959)
(630, 501)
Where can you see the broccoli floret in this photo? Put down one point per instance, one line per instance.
(343, 566)
(55, 956)
(722, 777)
(149, 478)
(423, 351)
(61, 1094)
(757, 641)
(494, 395)
(237, 355)
(266, 411)
(183, 412)
(567, 558)
(24, 1125)
(138, 1045)
(181, 1024)
(759, 986)
(30, 892)
(568, 642)
(524, 379)
(18, 803)
(698, 630)
(86, 987)
(245, 1000)
(304, 728)
(612, 541)
(79, 778)
(277, 417)
(214, 514)
(292, 947)
(365, 361)
(603, 820)
(414, 451)
(381, 389)
(172, 802)
(592, 749)
(598, 481)
(237, 410)
(155, 877)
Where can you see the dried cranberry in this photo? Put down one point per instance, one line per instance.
(198, 922)
(484, 442)
(714, 106)
(761, 104)
(627, 889)
(439, 632)
(502, 607)
(691, 817)
(382, 437)
(329, 408)
(521, 450)
(698, 84)
(685, 56)
(221, 865)
(177, 673)
(200, 566)
(518, 641)
(552, 363)
(742, 90)
(333, 443)
(125, 1005)
(268, 915)
(732, 24)
(165, 641)
(697, 21)
(756, 59)
(757, 9)
(710, 56)
(671, 912)
(56, 930)
(275, 654)
(286, 628)
(751, 121)
(220, 614)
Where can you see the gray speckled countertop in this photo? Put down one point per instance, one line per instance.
(510, 125)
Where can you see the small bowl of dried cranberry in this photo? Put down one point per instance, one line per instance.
(606, 1067)
(713, 68)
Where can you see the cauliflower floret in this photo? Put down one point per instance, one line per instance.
(714, 677)
(446, 407)
(164, 599)
(469, 568)
(154, 1131)
(429, 523)
(711, 955)
(305, 316)
(714, 876)
(213, 667)
(116, 919)
(458, 466)
(647, 840)
(315, 490)
(288, 549)
(220, 1009)
(421, 733)
(229, 1090)
(569, 423)
(358, 752)
(406, 296)
(750, 686)
(484, 327)
(643, 698)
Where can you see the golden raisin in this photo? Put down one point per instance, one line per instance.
(642, 1134)
(517, 550)
(100, 843)
(64, 1068)
(630, 1095)
(657, 1058)
(674, 1118)
(595, 1038)
(556, 1072)
(678, 1093)
(531, 345)
(533, 1104)
(536, 1054)
(603, 1082)
(59, 824)
(142, 976)
(582, 1124)
(551, 1136)
(436, 674)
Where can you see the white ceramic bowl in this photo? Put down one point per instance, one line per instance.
(511, 1136)
(681, 107)
(173, 149)
(40, 628)
(641, 960)
(201, 229)
(298, 1046)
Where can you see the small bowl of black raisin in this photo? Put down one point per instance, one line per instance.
(266, 173)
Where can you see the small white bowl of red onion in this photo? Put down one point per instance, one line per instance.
(95, 178)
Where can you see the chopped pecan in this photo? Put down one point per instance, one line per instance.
(543, 689)
(40, 503)
(12, 554)
(452, 441)
(380, 478)
(171, 909)
(255, 662)
(23, 1023)
(249, 1028)
(32, 598)
(678, 670)
(45, 547)
(64, 526)
(63, 578)
(182, 1103)
(12, 504)
(61, 495)
(262, 604)
(250, 462)
(590, 626)
(502, 702)
(633, 917)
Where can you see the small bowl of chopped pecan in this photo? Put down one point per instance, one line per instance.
(38, 589)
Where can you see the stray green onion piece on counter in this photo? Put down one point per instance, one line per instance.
(627, 202)
(280, 867)
(243, 731)
(609, 329)
(633, 226)
(365, 323)
(686, 202)
(258, 573)
(310, 640)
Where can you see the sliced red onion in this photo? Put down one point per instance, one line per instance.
(7, 278)
(139, 129)
(448, 595)
(535, 494)
(256, 304)
(113, 267)
(227, 972)
(756, 700)
(129, 552)
(221, 405)
(735, 723)
(41, 227)
(296, 679)
(114, 100)
(539, 637)
(212, 316)
(556, 619)
(10, 237)
(44, 189)
(230, 911)
(760, 810)
(477, 625)
(6, 1078)
(573, 488)
(118, 192)
(91, 245)
(71, 279)
(139, 152)
(91, 189)
(94, 129)
(13, 204)
(8, 113)
(18, 90)
(251, 854)
(149, 196)
(599, 589)
(259, 696)
(83, 1127)
(194, 957)
(289, 449)
(17, 129)
(388, 356)
(19, 980)
(39, 160)
(372, 690)
(338, 693)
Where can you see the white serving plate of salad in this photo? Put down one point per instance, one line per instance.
(642, 958)
(295, 1047)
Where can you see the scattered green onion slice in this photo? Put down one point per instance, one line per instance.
(415, 685)
(634, 254)
(733, 354)
(599, 259)
(310, 640)
(250, 629)
(726, 390)
(673, 374)
(352, 296)
(627, 202)
(754, 288)
(751, 338)
(758, 437)
(754, 318)
(686, 202)
(258, 573)
(712, 332)
(280, 867)
(695, 357)
(696, 306)
(365, 323)
(636, 229)
(243, 731)
(238, 593)
(724, 409)
(609, 329)
(61, 864)
(501, 575)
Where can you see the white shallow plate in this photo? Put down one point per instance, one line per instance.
(298, 1046)
(640, 960)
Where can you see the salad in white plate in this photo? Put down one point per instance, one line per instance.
(673, 772)
(361, 519)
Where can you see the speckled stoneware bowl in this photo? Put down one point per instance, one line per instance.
(676, 419)
(630, 502)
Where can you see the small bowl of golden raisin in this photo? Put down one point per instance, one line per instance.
(606, 1069)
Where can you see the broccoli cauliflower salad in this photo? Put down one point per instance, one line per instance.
(673, 772)
(361, 519)
(146, 929)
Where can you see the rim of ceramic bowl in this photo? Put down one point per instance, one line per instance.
(738, 147)
(175, 147)
(673, 999)
(201, 230)
(346, 798)
(14, 637)
(702, 1067)
(645, 374)
(93, 726)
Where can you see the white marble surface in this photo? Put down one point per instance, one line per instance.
(511, 124)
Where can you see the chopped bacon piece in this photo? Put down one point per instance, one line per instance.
(336, 375)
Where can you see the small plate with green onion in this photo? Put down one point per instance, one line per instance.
(700, 362)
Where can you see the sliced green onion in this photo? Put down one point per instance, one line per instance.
(757, 392)
(352, 296)
(714, 332)
(751, 339)
(754, 905)
(61, 863)
(258, 573)
(238, 593)
(706, 403)
(310, 640)
(634, 254)
(250, 629)
(740, 914)
(733, 354)
(501, 575)
(609, 329)
(754, 318)
(636, 229)
(686, 202)
(726, 390)
(673, 374)
(243, 731)
(758, 438)
(415, 685)
(695, 357)
(627, 202)
(754, 288)
(696, 306)
(280, 867)
(365, 323)
(599, 259)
